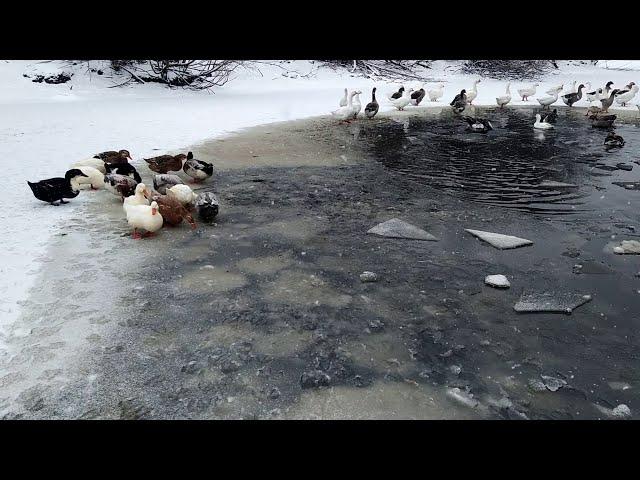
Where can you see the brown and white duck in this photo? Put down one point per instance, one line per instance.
(613, 140)
(199, 170)
(172, 211)
(163, 181)
(120, 185)
(166, 163)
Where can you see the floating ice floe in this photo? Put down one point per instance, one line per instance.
(553, 184)
(498, 240)
(628, 247)
(621, 411)
(550, 302)
(497, 281)
(396, 228)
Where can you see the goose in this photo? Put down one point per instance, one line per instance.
(436, 93)
(207, 206)
(403, 101)
(199, 170)
(161, 182)
(343, 100)
(608, 101)
(123, 169)
(571, 98)
(540, 124)
(525, 93)
(172, 211)
(397, 94)
(624, 96)
(93, 179)
(546, 101)
(166, 163)
(372, 107)
(459, 102)
(557, 88)
(613, 140)
(602, 121)
(138, 197)
(344, 113)
(571, 89)
(92, 162)
(144, 217)
(356, 106)
(594, 96)
(55, 189)
(502, 101)
(120, 185)
(417, 96)
(550, 117)
(473, 93)
(479, 125)
(183, 194)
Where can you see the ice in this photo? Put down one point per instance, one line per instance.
(462, 397)
(628, 247)
(550, 302)
(552, 184)
(500, 240)
(396, 228)
(498, 281)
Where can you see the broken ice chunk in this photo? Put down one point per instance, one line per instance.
(497, 281)
(396, 228)
(499, 240)
(628, 247)
(550, 302)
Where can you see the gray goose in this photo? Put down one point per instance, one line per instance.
(372, 107)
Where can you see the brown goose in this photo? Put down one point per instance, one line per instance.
(166, 163)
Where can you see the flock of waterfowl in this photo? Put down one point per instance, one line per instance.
(168, 203)
(598, 112)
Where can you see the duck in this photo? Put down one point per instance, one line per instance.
(166, 163)
(144, 217)
(403, 101)
(594, 96)
(199, 170)
(344, 113)
(183, 194)
(343, 100)
(123, 169)
(608, 101)
(459, 102)
(162, 181)
(207, 206)
(550, 117)
(121, 156)
(602, 121)
(138, 197)
(479, 125)
(56, 189)
(417, 97)
(93, 179)
(92, 162)
(541, 125)
(120, 185)
(571, 98)
(546, 101)
(525, 93)
(397, 94)
(172, 211)
(436, 93)
(506, 98)
(473, 93)
(372, 107)
(625, 95)
(356, 106)
(613, 140)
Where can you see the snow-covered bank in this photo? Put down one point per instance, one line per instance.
(44, 128)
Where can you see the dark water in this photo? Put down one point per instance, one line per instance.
(507, 166)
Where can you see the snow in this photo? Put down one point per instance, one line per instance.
(44, 128)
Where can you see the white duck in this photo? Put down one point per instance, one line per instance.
(624, 97)
(473, 93)
(436, 93)
(183, 194)
(343, 100)
(502, 101)
(138, 198)
(144, 217)
(541, 125)
(403, 101)
(525, 93)
(546, 101)
(96, 163)
(343, 113)
(94, 179)
(356, 106)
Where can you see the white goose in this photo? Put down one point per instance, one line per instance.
(525, 93)
(546, 101)
(502, 101)
(541, 125)
(343, 100)
(572, 88)
(473, 93)
(623, 98)
(436, 93)
(403, 101)
(343, 113)
(356, 106)
(138, 198)
(557, 88)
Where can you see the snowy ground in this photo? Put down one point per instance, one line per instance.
(44, 128)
